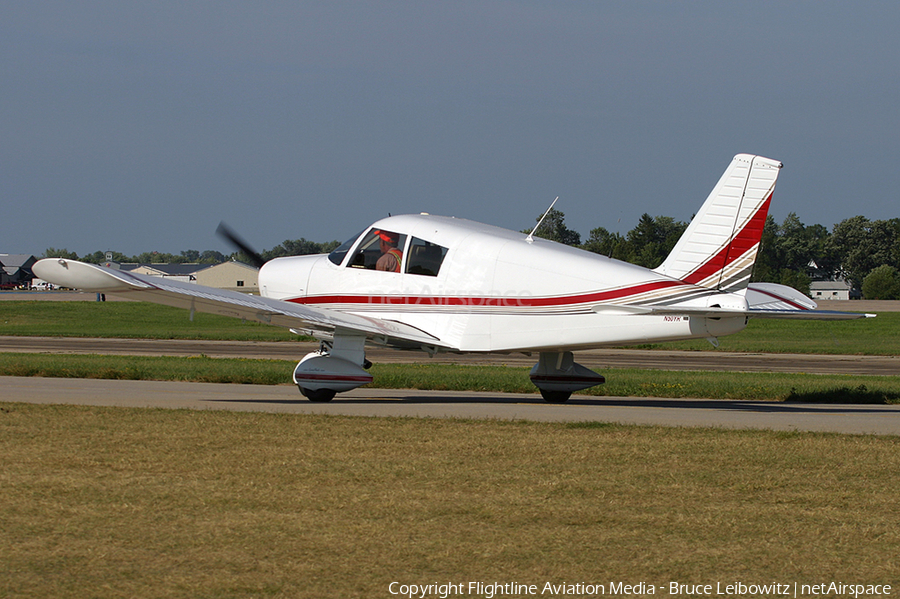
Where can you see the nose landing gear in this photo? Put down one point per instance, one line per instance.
(334, 368)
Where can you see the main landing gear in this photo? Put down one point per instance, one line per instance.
(557, 375)
(340, 365)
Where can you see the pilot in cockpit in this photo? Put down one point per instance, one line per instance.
(390, 254)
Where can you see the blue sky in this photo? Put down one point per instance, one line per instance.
(139, 126)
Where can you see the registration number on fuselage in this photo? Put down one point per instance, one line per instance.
(676, 318)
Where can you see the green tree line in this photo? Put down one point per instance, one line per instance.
(863, 252)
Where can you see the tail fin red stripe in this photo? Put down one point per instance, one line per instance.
(745, 240)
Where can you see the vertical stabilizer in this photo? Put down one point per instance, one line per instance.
(719, 247)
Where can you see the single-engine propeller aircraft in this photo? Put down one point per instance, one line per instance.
(444, 284)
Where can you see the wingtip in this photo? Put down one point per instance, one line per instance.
(77, 275)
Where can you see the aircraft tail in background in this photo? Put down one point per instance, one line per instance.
(720, 245)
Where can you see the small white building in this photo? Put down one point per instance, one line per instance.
(233, 275)
(829, 290)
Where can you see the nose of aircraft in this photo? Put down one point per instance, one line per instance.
(286, 278)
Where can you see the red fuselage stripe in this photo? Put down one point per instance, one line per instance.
(517, 301)
(334, 377)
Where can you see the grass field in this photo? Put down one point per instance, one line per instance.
(127, 319)
(157, 503)
(111, 502)
(620, 382)
(873, 336)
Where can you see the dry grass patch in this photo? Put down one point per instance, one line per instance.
(152, 503)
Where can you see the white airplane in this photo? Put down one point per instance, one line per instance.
(444, 284)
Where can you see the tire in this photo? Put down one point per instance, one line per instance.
(555, 396)
(318, 395)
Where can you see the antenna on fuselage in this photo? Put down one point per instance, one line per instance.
(530, 238)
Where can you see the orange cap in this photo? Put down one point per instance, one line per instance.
(387, 236)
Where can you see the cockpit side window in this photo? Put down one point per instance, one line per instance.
(424, 257)
(337, 255)
(379, 250)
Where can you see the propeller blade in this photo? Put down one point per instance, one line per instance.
(226, 232)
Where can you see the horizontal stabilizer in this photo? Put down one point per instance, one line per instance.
(759, 313)
(764, 300)
(771, 300)
(772, 296)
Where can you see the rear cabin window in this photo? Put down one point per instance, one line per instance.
(424, 257)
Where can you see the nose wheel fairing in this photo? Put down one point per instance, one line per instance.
(557, 375)
(336, 367)
(318, 372)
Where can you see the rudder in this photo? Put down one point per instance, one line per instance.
(720, 245)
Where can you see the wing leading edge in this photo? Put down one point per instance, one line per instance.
(90, 277)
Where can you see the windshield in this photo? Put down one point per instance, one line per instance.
(337, 256)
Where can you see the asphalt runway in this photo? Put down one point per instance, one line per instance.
(599, 360)
(879, 420)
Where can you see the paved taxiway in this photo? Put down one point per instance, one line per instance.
(882, 420)
(600, 359)
(379, 402)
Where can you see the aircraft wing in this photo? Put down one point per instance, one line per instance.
(90, 277)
